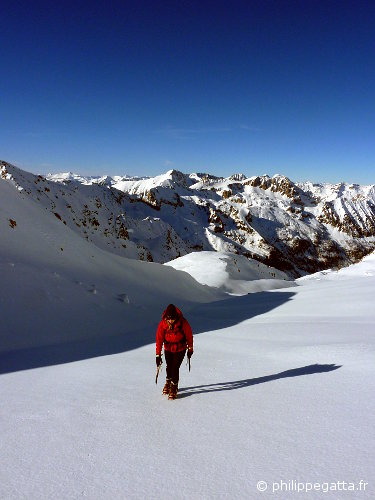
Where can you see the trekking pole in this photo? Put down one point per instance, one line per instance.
(188, 361)
(157, 372)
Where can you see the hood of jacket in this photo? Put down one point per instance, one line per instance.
(179, 315)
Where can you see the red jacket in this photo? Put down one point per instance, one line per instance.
(175, 339)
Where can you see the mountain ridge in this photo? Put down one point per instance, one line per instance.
(298, 228)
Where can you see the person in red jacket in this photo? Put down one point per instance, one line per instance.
(175, 333)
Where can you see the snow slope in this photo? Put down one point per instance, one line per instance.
(57, 287)
(281, 389)
(232, 273)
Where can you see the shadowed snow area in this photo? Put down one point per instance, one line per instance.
(280, 389)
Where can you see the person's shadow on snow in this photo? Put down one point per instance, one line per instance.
(240, 384)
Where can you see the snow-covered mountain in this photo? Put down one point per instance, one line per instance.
(298, 228)
(58, 289)
(72, 279)
(282, 381)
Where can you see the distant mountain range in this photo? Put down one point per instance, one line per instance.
(298, 228)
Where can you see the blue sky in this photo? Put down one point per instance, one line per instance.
(144, 86)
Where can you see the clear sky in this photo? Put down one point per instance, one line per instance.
(140, 87)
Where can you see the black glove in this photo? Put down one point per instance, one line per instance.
(158, 360)
(190, 353)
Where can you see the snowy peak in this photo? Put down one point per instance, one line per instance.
(177, 178)
(350, 208)
(277, 184)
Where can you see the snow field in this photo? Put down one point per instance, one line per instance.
(99, 428)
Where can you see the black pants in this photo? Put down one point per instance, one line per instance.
(173, 361)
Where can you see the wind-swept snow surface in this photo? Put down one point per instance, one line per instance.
(281, 391)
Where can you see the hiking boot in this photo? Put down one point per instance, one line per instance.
(167, 387)
(173, 391)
